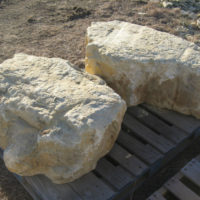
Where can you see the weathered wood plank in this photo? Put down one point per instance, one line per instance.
(192, 171)
(158, 141)
(150, 140)
(180, 190)
(115, 175)
(198, 158)
(46, 190)
(180, 184)
(90, 187)
(128, 160)
(144, 151)
(29, 188)
(156, 196)
(185, 122)
(172, 133)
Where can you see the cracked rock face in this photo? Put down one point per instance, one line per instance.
(54, 119)
(145, 65)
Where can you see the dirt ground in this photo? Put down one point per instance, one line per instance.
(57, 29)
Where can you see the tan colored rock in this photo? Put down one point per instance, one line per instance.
(145, 65)
(54, 119)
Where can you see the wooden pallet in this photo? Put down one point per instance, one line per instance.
(149, 138)
(183, 186)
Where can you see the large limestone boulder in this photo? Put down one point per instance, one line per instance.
(145, 65)
(54, 119)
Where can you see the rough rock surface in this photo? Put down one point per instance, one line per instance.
(54, 119)
(145, 65)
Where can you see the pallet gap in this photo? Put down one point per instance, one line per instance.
(112, 161)
(133, 134)
(73, 191)
(140, 158)
(104, 180)
(192, 186)
(170, 196)
(153, 129)
(155, 114)
(148, 126)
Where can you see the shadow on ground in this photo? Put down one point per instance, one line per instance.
(167, 172)
(10, 189)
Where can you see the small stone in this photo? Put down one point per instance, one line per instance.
(166, 4)
(198, 23)
(194, 24)
(142, 13)
(189, 37)
(154, 1)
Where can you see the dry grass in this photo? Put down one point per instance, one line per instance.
(57, 28)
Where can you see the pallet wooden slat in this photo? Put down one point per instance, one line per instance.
(188, 123)
(30, 189)
(157, 196)
(46, 190)
(180, 190)
(192, 171)
(143, 151)
(90, 187)
(128, 161)
(170, 132)
(115, 175)
(179, 186)
(145, 144)
(198, 158)
(158, 141)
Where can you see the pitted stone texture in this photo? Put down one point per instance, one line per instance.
(145, 65)
(54, 119)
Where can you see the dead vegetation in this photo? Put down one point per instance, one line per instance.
(57, 28)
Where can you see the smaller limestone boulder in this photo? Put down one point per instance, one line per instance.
(54, 119)
(145, 65)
